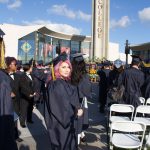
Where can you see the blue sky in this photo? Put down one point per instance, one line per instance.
(129, 19)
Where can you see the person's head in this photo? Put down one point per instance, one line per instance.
(11, 64)
(136, 61)
(106, 64)
(62, 67)
(27, 68)
(63, 70)
(79, 68)
(118, 63)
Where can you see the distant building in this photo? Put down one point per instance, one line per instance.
(142, 50)
(40, 42)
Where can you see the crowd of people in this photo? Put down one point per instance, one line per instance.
(123, 84)
(63, 85)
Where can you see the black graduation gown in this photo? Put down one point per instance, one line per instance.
(133, 80)
(39, 83)
(147, 87)
(7, 138)
(60, 114)
(15, 86)
(84, 90)
(103, 86)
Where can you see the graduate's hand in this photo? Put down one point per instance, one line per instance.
(80, 112)
(12, 94)
(31, 95)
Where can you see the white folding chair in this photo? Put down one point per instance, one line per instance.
(122, 109)
(113, 115)
(142, 100)
(148, 101)
(144, 111)
(127, 134)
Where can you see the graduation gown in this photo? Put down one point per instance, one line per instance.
(133, 79)
(84, 90)
(7, 138)
(103, 86)
(147, 87)
(61, 105)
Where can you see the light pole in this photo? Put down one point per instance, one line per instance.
(127, 51)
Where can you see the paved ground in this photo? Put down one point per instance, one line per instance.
(35, 136)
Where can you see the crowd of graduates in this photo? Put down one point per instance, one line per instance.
(63, 86)
(123, 84)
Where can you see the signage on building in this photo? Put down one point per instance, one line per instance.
(99, 18)
(26, 47)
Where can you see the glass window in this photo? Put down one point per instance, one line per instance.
(75, 47)
(85, 47)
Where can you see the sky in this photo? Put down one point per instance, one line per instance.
(129, 19)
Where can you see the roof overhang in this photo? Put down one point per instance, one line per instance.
(140, 47)
(47, 31)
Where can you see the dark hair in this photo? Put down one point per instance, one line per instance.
(135, 63)
(9, 60)
(26, 67)
(78, 70)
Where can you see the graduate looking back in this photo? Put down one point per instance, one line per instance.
(62, 107)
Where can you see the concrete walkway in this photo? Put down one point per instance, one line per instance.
(35, 136)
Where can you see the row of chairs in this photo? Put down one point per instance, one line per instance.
(136, 120)
(144, 101)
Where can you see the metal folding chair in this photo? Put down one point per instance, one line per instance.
(127, 135)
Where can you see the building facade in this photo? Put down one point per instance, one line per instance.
(142, 50)
(40, 42)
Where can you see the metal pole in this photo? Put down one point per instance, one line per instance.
(127, 51)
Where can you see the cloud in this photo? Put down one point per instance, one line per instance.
(15, 4)
(62, 10)
(83, 16)
(4, 1)
(144, 14)
(64, 28)
(122, 23)
(36, 22)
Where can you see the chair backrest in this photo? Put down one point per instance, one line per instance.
(148, 101)
(122, 108)
(142, 100)
(128, 127)
(143, 109)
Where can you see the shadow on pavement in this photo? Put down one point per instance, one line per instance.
(88, 147)
(24, 147)
(41, 137)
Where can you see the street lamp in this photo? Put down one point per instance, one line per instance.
(127, 50)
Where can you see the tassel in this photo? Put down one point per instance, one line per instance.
(145, 64)
(53, 75)
(2, 56)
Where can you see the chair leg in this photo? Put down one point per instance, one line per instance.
(111, 147)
